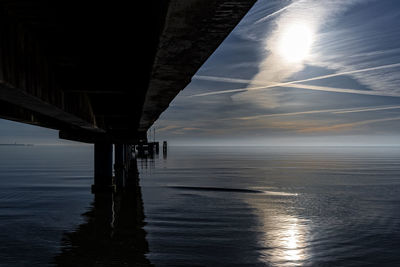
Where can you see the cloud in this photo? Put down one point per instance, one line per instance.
(369, 37)
(277, 65)
(344, 126)
(273, 14)
(348, 49)
(347, 59)
(339, 56)
(366, 109)
(333, 111)
(295, 84)
(167, 128)
(341, 90)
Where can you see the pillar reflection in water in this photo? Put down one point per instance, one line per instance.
(148, 159)
(113, 233)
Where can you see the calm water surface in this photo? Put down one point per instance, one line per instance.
(43, 192)
(208, 207)
(274, 207)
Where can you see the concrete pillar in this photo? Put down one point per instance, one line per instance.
(119, 166)
(102, 167)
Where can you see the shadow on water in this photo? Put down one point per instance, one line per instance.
(112, 234)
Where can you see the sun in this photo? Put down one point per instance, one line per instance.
(295, 42)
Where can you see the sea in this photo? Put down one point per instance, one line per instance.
(203, 206)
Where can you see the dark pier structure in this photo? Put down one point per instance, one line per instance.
(103, 72)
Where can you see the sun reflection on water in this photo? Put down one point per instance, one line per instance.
(293, 241)
(286, 240)
(283, 237)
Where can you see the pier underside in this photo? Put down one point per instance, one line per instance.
(101, 72)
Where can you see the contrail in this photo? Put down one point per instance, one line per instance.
(274, 13)
(288, 114)
(333, 111)
(367, 109)
(346, 125)
(340, 90)
(347, 72)
(223, 92)
(221, 79)
(365, 54)
(287, 84)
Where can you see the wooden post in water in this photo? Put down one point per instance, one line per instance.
(119, 166)
(102, 167)
(165, 149)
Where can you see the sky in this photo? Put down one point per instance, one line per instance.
(307, 72)
(300, 72)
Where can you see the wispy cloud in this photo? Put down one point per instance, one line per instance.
(167, 128)
(341, 90)
(350, 49)
(355, 56)
(388, 66)
(333, 111)
(293, 84)
(357, 43)
(273, 14)
(277, 66)
(274, 121)
(343, 126)
(366, 109)
(220, 79)
(373, 53)
(321, 77)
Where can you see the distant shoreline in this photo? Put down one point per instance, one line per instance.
(16, 144)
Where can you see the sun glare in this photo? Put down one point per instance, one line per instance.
(295, 42)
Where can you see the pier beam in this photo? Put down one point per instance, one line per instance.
(102, 167)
